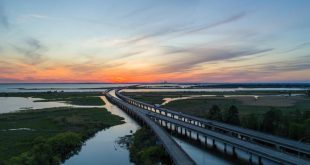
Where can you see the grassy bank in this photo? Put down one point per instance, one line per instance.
(145, 151)
(49, 136)
(75, 98)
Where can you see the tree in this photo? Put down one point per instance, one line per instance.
(232, 116)
(251, 121)
(215, 113)
(308, 92)
(296, 131)
(271, 120)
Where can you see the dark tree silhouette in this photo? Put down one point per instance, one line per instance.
(215, 113)
(232, 116)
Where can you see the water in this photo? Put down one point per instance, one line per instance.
(75, 87)
(36, 87)
(11, 104)
(214, 90)
(201, 156)
(103, 149)
(168, 100)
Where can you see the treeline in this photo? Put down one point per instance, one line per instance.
(145, 151)
(292, 124)
(255, 85)
(50, 151)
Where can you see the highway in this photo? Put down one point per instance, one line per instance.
(177, 154)
(279, 143)
(198, 126)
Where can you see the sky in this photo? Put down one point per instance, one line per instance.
(154, 41)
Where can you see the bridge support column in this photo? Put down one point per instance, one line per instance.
(260, 160)
(206, 141)
(213, 143)
(225, 148)
(197, 138)
(234, 151)
(250, 158)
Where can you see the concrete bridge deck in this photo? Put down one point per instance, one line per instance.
(280, 144)
(177, 154)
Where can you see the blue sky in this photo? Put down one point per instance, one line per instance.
(151, 41)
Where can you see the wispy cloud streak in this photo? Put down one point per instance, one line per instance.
(32, 50)
(4, 22)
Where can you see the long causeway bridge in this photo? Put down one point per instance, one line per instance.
(177, 154)
(258, 146)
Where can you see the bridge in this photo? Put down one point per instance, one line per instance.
(256, 144)
(177, 154)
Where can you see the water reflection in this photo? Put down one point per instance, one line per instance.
(214, 90)
(201, 156)
(103, 148)
(168, 100)
(11, 104)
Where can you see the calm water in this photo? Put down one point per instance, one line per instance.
(59, 87)
(36, 87)
(213, 90)
(11, 104)
(103, 149)
(201, 156)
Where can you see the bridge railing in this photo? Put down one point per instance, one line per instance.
(176, 152)
(252, 149)
(278, 143)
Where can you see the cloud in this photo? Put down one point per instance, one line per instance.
(179, 30)
(191, 57)
(32, 50)
(264, 72)
(280, 67)
(3, 17)
(297, 47)
(212, 25)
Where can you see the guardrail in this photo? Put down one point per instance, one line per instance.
(177, 154)
(298, 149)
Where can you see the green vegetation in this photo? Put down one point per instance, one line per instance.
(75, 98)
(156, 97)
(308, 93)
(215, 113)
(145, 151)
(232, 116)
(85, 100)
(49, 136)
(287, 116)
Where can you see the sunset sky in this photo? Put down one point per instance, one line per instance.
(154, 41)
